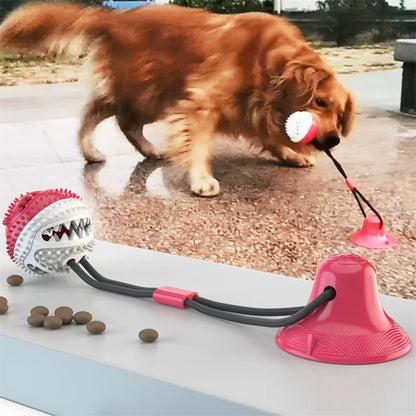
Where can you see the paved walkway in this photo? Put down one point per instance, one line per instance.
(268, 217)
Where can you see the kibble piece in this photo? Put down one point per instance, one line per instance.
(82, 317)
(148, 335)
(15, 280)
(4, 307)
(36, 319)
(65, 313)
(96, 327)
(43, 310)
(52, 322)
(3, 300)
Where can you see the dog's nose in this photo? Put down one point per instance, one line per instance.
(331, 141)
(327, 142)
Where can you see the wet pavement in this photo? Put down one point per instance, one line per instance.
(267, 217)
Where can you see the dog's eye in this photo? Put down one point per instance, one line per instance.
(321, 103)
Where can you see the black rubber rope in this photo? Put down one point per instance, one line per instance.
(359, 203)
(343, 173)
(246, 310)
(138, 293)
(213, 304)
(336, 163)
(354, 191)
(369, 205)
(325, 296)
(99, 277)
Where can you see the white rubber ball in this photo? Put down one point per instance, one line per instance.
(298, 125)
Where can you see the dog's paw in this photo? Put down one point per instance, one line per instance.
(297, 160)
(94, 157)
(205, 186)
(157, 155)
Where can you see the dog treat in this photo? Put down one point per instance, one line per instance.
(148, 335)
(82, 317)
(3, 300)
(65, 313)
(36, 319)
(43, 310)
(4, 307)
(15, 280)
(52, 322)
(96, 327)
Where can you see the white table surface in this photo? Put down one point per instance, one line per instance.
(8, 408)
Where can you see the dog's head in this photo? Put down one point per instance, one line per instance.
(306, 83)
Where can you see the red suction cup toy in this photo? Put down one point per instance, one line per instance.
(50, 232)
(302, 127)
(373, 235)
(352, 328)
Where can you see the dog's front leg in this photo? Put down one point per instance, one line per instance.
(200, 171)
(295, 155)
(192, 131)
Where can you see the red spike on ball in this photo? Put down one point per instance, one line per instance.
(24, 208)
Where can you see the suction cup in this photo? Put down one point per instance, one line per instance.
(45, 229)
(373, 235)
(353, 327)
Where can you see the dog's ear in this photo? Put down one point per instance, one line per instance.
(306, 75)
(348, 116)
(298, 77)
(277, 59)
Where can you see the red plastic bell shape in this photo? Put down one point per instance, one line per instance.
(373, 235)
(352, 328)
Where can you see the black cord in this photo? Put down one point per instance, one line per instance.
(336, 163)
(97, 276)
(359, 202)
(203, 301)
(354, 191)
(245, 309)
(370, 206)
(325, 296)
(116, 288)
(225, 311)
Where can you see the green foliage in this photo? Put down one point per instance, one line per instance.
(7, 6)
(225, 6)
(347, 18)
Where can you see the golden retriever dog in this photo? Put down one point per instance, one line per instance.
(205, 74)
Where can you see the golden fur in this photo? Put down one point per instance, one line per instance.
(239, 75)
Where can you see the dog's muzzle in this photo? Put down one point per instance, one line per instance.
(327, 142)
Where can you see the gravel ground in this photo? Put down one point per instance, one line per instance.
(273, 218)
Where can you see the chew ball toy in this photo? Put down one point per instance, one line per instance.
(343, 322)
(301, 127)
(45, 229)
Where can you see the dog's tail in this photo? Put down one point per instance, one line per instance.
(53, 28)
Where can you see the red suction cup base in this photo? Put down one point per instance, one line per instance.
(352, 328)
(372, 235)
(327, 347)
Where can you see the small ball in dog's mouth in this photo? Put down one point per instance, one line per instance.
(301, 127)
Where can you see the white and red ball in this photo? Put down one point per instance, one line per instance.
(302, 127)
(45, 229)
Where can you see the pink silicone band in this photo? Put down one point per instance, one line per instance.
(350, 184)
(312, 133)
(173, 296)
